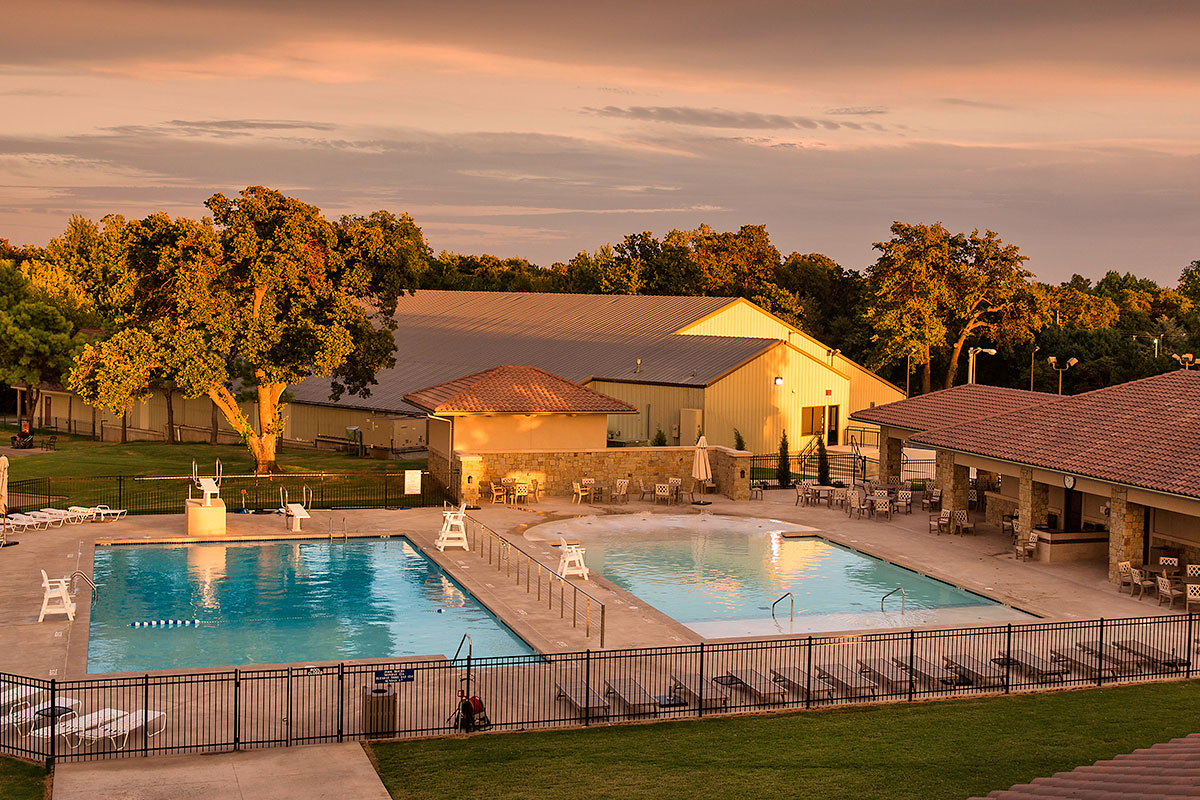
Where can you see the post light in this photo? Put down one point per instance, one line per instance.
(974, 351)
(1053, 360)
(1185, 360)
(1032, 361)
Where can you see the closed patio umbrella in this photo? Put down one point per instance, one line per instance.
(3, 484)
(701, 469)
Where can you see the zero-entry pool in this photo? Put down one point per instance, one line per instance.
(724, 576)
(217, 604)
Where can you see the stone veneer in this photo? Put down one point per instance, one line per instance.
(1126, 530)
(953, 479)
(891, 454)
(555, 470)
(1033, 501)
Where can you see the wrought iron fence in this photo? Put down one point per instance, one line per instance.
(844, 468)
(166, 495)
(237, 709)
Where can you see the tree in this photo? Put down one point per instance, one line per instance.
(783, 469)
(822, 462)
(272, 295)
(1189, 282)
(739, 442)
(660, 438)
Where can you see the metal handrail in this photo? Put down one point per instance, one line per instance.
(81, 574)
(345, 535)
(506, 555)
(780, 600)
(466, 637)
(903, 598)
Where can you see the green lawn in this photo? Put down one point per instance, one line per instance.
(20, 780)
(79, 456)
(948, 749)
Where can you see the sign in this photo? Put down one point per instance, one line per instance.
(412, 481)
(396, 675)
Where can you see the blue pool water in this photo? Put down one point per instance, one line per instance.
(280, 602)
(720, 576)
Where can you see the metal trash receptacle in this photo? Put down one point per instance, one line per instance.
(380, 709)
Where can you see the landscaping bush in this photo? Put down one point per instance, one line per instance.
(822, 463)
(784, 470)
(739, 442)
(660, 438)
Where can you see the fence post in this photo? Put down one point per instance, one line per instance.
(1100, 656)
(53, 721)
(385, 489)
(587, 684)
(808, 676)
(700, 708)
(1188, 645)
(237, 717)
(602, 607)
(341, 684)
(912, 675)
(120, 490)
(145, 705)
(1008, 658)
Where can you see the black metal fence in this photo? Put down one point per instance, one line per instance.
(159, 495)
(844, 468)
(266, 707)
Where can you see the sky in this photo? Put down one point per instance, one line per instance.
(539, 129)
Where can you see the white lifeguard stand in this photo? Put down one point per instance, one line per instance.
(570, 560)
(205, 514)
(454, 529)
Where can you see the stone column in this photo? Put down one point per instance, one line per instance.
(891, 449)
(954, 480)
(1033, 502)
(1126, 531)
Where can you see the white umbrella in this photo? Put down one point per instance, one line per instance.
(701, 469)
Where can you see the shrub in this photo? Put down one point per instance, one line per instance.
(739, 443)
(660, 438)
(784, 470)
(822, 463)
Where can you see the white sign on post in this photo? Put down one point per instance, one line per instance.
(412, 481)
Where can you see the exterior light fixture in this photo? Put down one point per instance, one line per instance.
(1053, 361)
(779, 380)
(1186, 360)
(974, 351)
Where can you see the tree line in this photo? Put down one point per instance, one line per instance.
(267, 292)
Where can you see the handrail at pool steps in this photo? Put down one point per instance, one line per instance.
(780, 600)
(81, 574)
(903, 598)
(586, 609)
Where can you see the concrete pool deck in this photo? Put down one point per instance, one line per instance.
(982, 562)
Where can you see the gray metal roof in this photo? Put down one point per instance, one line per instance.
(443, 335)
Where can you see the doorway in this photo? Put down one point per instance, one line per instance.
(832, 432)
(1073, 510)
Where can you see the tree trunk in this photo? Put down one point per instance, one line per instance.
(169, 394)
(270, 422)
(952, 367)
(125, 427)
(32, 398)
(926, 373)
(212, 437)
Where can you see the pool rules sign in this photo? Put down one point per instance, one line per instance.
(396, 675)
(412, 481)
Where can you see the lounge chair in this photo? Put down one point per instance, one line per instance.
(86, 513)
(632, 694)
(753, 681)
(28, 716)
(117, 732)
(703, 692)
(20, 526)
(850, 683)
(978, 673)
(926, 671)
(29, 522)
(1091, 665)
(105, 514)
(72, 727)
(14, 695)
(1121, 660)
(56, 597)
(1034, 666)
(803, 683)
(582, 697)
(70, 517)
(1152, 655)
(51, 520)
(885, 674)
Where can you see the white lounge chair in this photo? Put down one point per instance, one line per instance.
(15, 695)
(454, 529)
(28, 521)
(51, 520)
(87, 514)
(56, 599)
(12, 523)
(70, 517)
(24, 719)
(119, 730)
(570, 561)
(72, 727)
(106, 514)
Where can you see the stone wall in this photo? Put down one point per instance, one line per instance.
(953, 479)
(1126, 530)
(555, 470)
(891, 454)
(1033, 501)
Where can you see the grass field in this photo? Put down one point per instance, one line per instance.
(78, 456)
(20, 780)
(948, 749)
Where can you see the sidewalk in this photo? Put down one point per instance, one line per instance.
(316, 772)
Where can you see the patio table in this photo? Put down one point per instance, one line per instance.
(824, 492)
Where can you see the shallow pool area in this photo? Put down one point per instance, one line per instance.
(280, 602)
(720, 576)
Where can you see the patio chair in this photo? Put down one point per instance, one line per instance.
(838, 499)
(881, 503)
(1120, 660)
(579, 492)
(939, 523)
(56, 598)
(972, 499)
(803, 683)
(676, 485)
(904, 500)
(662, 491)
(14, 696)
(632, 694)
(970, 668)
(801, 497)
(499, 493)
(1192, 596)
(861, 505)
(1152, 655)
(1123, 577)
(118, 732)
(1168, 561)
(755, 682)
(1091, 665)
(962, 522)
(1170, 592)
(621, 492)
(105, 514)
(1008, 525)
(589, 489)
(1141, 582)
(71, 517)
(88, 514)
(756, 490)
(644, 491)
(1193, 570)
(702, 692)
(21, 525)
(1027, 549)
(931, 500)
(570, 561)
(520, 493)
(535, 490)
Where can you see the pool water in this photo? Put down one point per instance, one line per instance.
(280, 602)
(721, 575)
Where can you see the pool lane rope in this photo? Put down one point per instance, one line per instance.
(166, 623)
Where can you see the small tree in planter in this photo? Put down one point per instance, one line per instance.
(822, 463)
(784, 470)
(660, 438)
(739, 442)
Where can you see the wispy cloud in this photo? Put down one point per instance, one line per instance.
(716, 118)
(857, 111)
(963, 102)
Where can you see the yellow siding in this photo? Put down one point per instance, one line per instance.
(658, 407)
(439, 436)
(509, 432)
(750, 400)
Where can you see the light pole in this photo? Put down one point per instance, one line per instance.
(1186, 360)
(974, 351)
(1032, 361)
(1060, 370)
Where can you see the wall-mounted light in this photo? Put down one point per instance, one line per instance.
(779, 380)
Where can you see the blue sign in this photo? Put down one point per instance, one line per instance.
(396, 675)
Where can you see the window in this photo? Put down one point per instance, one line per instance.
(812, 420)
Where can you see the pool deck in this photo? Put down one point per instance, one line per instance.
(982, 562)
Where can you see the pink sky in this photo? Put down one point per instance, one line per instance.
(539, 129)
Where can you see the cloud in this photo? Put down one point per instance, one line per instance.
(712, 117)
(249, 125)
(35, 93)
(857, 111)
(965, 103)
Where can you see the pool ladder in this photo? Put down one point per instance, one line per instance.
(903, 598)
(342, 533)
(780, 600)
(81, 574)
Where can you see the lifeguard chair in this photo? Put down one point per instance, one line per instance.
(454, 529)
(570, 560)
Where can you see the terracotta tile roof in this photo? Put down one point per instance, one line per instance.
(1144, 433)
(1171, 769)
(515, 390)
(950, 406)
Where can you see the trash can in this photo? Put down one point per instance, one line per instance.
(380, 709)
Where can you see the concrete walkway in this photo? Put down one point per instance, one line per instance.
(334, 771)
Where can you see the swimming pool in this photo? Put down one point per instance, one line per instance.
(720, 576)
(280, 602)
